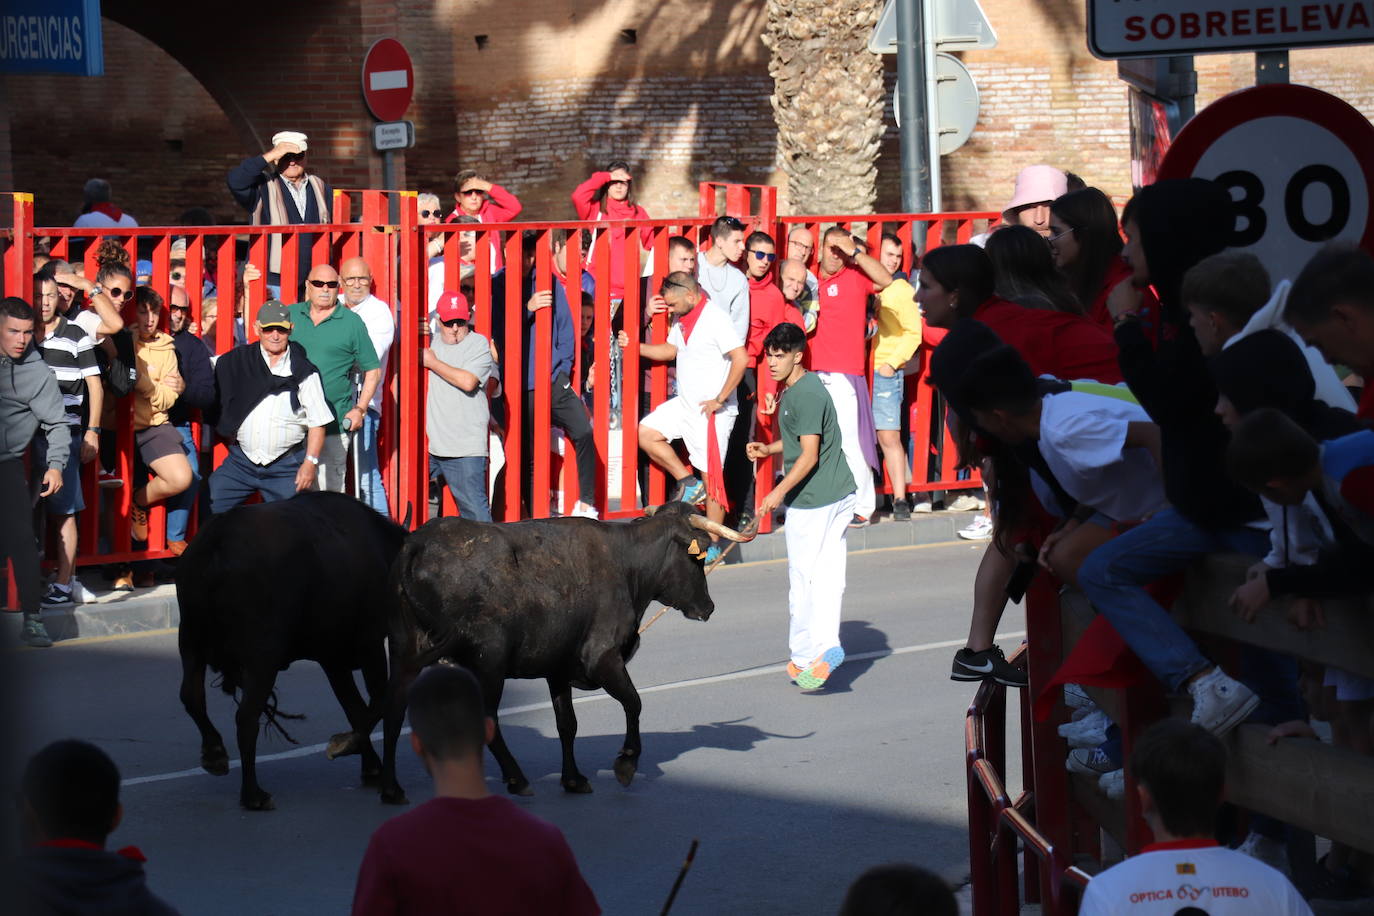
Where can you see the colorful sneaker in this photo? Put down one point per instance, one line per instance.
(691, 491)
(138, 522)
(816, 673)
(989, 663)
(57, 596)
(33, 633)
(712, 555)
(858, 521)
(793, 672)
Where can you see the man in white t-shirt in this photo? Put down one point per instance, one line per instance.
(710, 358)
(99, 211)
(356, 279)
(1180, 770)
(724, 283)
(1092, 450)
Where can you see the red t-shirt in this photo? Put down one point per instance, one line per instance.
(453, 855)
(1053, 343)
(767, 310)
(839, 343)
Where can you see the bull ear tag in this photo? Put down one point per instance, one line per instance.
(694, 549)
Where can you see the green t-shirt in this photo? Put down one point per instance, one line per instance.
(335, 345)
(807, 410)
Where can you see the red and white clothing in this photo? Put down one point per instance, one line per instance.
(1170, 878)
(104, 216)
(704, 339)
(500, 206)
(840, 341)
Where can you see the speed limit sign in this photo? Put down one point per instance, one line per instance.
(1299, 164)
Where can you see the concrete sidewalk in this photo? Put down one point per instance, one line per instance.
(146, 609)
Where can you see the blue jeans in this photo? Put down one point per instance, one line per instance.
(467, 481)
(179, 506)
(1114, 577)
(237, 478)
(370, 489)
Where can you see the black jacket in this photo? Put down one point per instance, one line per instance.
(71, 881)
(1180, 223)
(193, 362)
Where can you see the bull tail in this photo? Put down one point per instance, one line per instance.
(271, 712)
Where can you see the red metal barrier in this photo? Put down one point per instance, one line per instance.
(407, 276)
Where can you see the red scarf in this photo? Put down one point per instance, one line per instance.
(108, 209)
(128, 852)
(715, 473)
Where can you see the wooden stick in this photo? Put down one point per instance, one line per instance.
(691, 854)
(661, 612)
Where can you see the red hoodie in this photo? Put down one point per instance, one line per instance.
(587, 207)
(1053, 343)
(499, 206)
(767, 310)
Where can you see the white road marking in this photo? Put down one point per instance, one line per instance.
(591, 698)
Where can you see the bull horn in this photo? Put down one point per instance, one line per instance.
(716, 528)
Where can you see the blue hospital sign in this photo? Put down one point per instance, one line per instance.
(51, 36)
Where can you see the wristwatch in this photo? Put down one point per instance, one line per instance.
(313, 459)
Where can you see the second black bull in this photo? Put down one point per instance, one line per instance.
(559, 599)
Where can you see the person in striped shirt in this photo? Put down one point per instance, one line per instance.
(70, 354)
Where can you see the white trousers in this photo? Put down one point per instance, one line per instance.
(847, 416)
(332, 474)
(816, 559)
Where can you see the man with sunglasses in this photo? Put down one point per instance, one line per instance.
(456, 412)
(273, 414)
(276, 190)
(337, 342)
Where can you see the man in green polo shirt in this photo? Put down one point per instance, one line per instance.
(818, 490)
(336, 341)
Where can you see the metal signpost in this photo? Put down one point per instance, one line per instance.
(936, 119)
(388, 86)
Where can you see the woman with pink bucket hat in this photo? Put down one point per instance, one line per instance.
(1037, 186)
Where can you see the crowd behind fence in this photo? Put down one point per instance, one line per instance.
(223, 300)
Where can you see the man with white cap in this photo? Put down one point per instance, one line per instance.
(276, 190)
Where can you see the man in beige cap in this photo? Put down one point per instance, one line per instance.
(276, 190)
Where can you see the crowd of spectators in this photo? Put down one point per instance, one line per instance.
(1134, 396)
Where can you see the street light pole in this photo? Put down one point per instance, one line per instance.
(912, 108)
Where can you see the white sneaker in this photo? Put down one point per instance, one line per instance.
(965, 502)
(1220, 703)
(1075, 697)
(1113, 784)
(81, 594)
(1090, 731)
(1269, 851)
(582, 510)
(1090, 761)
(923, 507)
(980, 529)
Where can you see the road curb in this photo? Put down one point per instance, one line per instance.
(125, 613)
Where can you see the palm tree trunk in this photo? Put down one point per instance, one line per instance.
(827, 102)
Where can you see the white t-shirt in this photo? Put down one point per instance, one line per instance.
(1082, 437)
(702, 364)
(381, 328)
(1168, 879)
(727, 288)
(87, 320)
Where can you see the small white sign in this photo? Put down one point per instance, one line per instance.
(388, 79)
(393, 135)
(1164, 28)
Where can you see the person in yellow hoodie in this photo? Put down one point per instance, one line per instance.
(899, 334)
(158, 385)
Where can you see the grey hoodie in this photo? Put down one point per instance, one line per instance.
(29, 399)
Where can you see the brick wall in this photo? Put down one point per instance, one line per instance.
(550, 91)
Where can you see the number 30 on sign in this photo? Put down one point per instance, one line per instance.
(1299, 164)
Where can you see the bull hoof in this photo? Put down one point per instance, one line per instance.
(215, 761)
(344, 744)
(578, 785)
(261, 801)
(519, 787)
(396, 796)
(624, 770)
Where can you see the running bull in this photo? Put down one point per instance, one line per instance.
(559, 599)
(265, 585)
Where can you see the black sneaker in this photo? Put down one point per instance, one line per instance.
(901, 511)
(57, 596)
(34, 634)
(989, 663)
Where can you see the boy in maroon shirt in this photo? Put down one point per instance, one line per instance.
(465, 851)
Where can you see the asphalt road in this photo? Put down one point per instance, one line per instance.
(792, 795)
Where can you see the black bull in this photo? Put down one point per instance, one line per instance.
(265, 585)
(559, 599)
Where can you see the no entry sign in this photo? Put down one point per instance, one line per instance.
(388, 79)
(1299, 164)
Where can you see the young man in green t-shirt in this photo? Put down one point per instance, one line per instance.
(818, 490)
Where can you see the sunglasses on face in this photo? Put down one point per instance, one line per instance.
(454, 323)
(470, 191)
(180, 308)
(625, 181)
(276, 329)
(116, 293)
(289, 158)
(325, 284)
(768, 256)
(426, 214)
